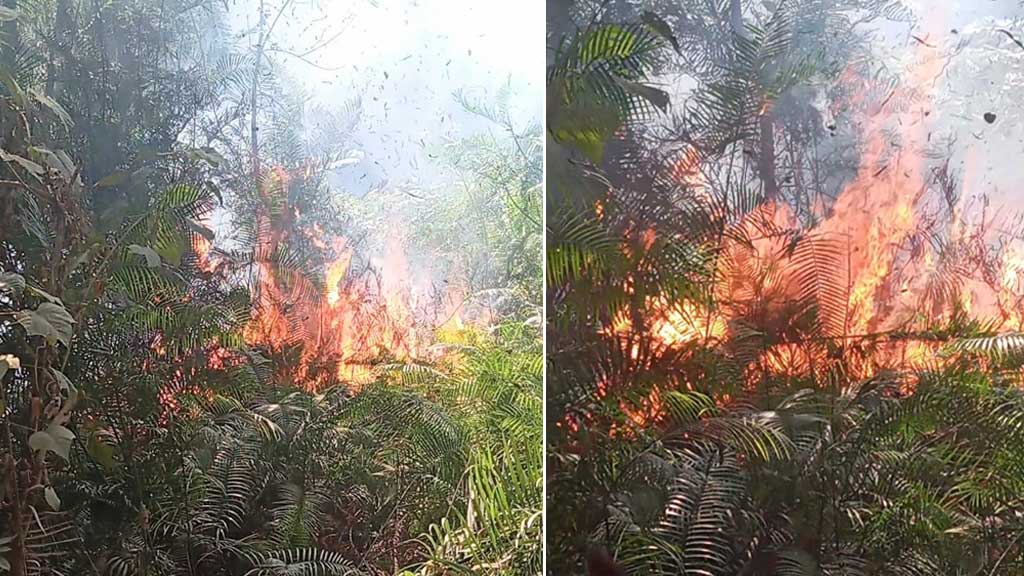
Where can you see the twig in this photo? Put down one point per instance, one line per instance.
(1011, 37)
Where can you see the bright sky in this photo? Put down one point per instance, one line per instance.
(406, 58)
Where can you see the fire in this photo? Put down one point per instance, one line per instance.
(203, 249)
(687, 322)
(898, 255)
(336, 272)
(1011, 295)
(360, 315)
(687, 169)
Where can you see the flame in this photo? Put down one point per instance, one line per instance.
(687, 169)
(202, 246)
(1011, 295)
(896, 280)
(362, 315)
(687, 322)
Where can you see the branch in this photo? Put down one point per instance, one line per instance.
(1011, 37)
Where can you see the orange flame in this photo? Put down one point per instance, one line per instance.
(338, 331)
(896, 281)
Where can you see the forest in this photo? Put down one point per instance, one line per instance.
(785, 279)
(216, 361)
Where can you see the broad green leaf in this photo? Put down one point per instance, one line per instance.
(172, 250)
(11, 282)
(152, 258)
(52, 499)
(100, 451)
(51, 321)
(14, 88)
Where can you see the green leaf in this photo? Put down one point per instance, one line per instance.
(52, 499)
(100, 451)
(50, 320)
(12, 86)
(172, 250)
(11, 282)
(152, 258)
(8, 14)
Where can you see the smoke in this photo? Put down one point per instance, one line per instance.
(405, 59)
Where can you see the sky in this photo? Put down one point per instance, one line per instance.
(406, 58)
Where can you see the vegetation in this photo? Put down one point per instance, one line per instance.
(722, 399)
(149, 424)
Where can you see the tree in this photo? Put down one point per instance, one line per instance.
(705, 415)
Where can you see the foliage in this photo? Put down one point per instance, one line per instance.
(142, 433)
(686, 454)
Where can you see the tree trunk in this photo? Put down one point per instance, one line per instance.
(766, 155)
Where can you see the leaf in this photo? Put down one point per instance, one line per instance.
(100, 451)
(52, 105)
(12, 86)
(660, 27)
(653, 95)
(63, 381)
(54, 161)
(41, 441)
(50, 320)
(55, 438)
(52, 499)
(208, 155)
(152, 258)
(12, 282)
(203, 231)
(46, 295)
(112, 179)
(30, 166)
